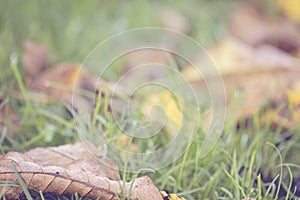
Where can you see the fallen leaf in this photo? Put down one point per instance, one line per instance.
(285, 112)
(69, 169)
(167, 196)
(69, 83)
(56, 81)
(252, 76)
(9, 120)
(251, 24)
(291, 8)
(145, 56)
(174, 20)
(171, 110)
(34, 57)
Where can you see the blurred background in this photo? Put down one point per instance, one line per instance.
(71, 29)
(254, 43)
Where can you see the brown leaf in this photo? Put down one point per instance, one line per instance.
(174, 20)
(284, 112)
(70, 83)
(69, 169)
(251, 24)
(59, 83)
(34, 57)
(8, 119)
(56, 81)
(145, 56)
(252, 76)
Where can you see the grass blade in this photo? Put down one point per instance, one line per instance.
(21, 182)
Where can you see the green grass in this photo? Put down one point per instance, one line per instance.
(249, 161)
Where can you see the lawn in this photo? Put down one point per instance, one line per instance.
(251, 159)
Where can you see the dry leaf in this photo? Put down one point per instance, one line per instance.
(34, 57)
(171, 110)
(290, 8)
(56, 81)
(250, 24)
(171, 196)
(8, 119)
(72, 84)
(252, 76)
(145, 56)
(65, 82)
(174, 20)
(288, 115)
(69, 169)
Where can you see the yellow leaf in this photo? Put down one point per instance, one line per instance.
(170, 105)
(171, 196)
(291, 8)
(294, 97)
